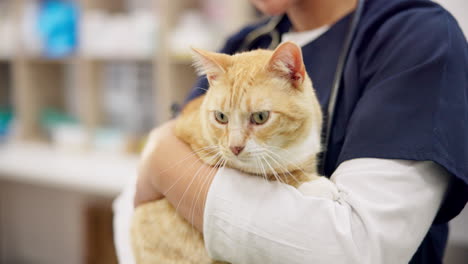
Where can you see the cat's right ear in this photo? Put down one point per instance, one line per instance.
(210, 64)
(287, 62)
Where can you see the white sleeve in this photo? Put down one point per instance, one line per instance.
(383, 210)
(123, 213)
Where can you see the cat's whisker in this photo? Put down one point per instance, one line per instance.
(286, 170)
(265, 171)
(195, 200)
(204, 183)
(275, 174)
(221, 166)
(191, 182)
(280, 149)
(288, 154)
(194, 152)
(258, 166)
(180, 177)
(265, 175)
(193, 178)
(282, 167)
(201, 88)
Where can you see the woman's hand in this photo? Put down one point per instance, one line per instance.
(169, 168)
(147, 184)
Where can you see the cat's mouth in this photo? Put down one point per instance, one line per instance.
(244, 158)
(260, 160)
(252, 163)
(245, 161)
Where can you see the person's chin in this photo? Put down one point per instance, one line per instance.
(271, 9)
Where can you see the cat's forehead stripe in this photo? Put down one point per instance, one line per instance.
(225, 103)
(248, 106)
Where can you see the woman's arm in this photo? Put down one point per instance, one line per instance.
(383, 211)
(169, 168)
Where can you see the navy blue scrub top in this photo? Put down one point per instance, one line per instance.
(404, 94)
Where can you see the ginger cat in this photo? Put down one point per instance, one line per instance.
(260, 116)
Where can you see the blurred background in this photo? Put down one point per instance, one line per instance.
(81, 84)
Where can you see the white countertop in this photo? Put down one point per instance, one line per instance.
(89, 172)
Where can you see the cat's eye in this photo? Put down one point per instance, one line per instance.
(259, 118)
(221, 117)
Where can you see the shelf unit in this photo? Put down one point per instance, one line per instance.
(31, 82)
(38, 81)
(70, 183)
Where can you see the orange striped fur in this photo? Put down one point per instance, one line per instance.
(283, 148)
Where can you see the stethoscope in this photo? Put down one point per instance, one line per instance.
(269, 29)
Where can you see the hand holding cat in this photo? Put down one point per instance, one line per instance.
(169, 169)
(147, 173)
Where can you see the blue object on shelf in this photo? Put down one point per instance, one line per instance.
(51, 117)
(6, 117)
(58, 27)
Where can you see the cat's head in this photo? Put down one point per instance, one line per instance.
(260, 111)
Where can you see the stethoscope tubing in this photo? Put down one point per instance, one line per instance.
(337, 80)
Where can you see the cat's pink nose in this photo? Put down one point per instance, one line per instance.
(237, 149)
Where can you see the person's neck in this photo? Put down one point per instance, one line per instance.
(308, 15)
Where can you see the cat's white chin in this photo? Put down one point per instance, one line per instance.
(246, 165)
(301, 152)
(254, 166)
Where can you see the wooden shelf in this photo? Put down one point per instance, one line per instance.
(71, 59)
(39, 59)
(36, 81)
(33, 82)
(6, 59)
(116, 58)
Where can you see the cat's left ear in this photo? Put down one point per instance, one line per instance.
(210, 64)
(287, 62)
